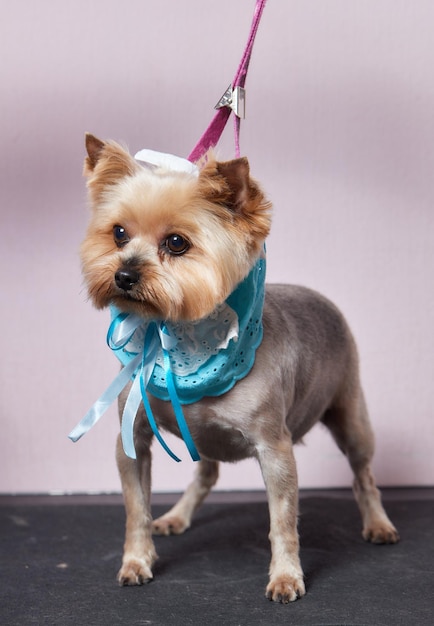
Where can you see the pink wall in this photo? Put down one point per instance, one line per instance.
(340, 131)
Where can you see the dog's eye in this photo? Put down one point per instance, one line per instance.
(120, 236)
(176, 244)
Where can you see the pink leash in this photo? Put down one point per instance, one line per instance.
(232, 99)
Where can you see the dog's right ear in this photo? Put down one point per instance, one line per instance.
(105, 165)
(94, 147)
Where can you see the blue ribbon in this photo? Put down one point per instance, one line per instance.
(139, 369)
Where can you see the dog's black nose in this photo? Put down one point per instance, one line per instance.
(127, 278)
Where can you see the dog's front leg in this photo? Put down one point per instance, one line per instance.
(139, 551)
(280, 476)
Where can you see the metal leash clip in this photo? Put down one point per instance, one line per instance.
(235, 99)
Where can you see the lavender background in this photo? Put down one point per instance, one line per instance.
(340, 131)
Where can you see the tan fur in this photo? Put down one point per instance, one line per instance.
(306, 368)
(153, 205)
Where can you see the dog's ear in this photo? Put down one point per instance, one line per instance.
(94, 147)
(105, 165)
(236, 174)
(229, 184)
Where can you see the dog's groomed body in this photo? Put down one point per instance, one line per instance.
(305, 371)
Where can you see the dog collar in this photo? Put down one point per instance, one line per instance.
(183, 362)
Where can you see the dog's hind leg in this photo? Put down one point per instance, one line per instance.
(349, 424)
(178, 519)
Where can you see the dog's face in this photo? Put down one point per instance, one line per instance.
(165, 244)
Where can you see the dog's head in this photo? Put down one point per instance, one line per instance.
(168, 244)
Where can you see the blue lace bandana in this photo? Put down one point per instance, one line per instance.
(181, 362)
(209, 355)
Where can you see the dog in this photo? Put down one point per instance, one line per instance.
(174, 245)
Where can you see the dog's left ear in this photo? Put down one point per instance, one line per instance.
(229, 184)
(236, 174)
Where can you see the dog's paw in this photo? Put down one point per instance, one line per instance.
(381, 533)
(169, 525)
(134, 572)
(285, 589)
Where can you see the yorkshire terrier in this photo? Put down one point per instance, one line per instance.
(187, 248)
